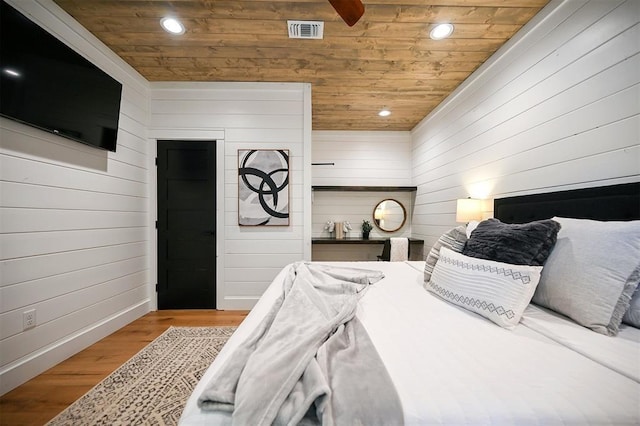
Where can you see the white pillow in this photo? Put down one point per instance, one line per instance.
(592, 272)
(497, 291)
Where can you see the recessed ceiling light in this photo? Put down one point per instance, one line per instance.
(384, 112)
(172, 25)
(441, 31)
(11, 72)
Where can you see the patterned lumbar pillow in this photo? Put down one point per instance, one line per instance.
(453, 239)
(497, 291)
(520, 244)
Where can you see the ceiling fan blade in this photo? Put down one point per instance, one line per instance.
(349, 10)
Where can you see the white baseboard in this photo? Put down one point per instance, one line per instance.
(27, 368)
(238, 304)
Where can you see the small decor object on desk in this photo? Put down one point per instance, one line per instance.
(342, 228)
(347, 228)
(366, 229)
(329, 226)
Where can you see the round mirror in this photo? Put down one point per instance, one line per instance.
(389, 215)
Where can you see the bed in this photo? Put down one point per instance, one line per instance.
(450, 365)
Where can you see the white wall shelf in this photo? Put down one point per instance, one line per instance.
(365, 188)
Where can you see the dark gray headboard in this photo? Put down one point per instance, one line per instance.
(615, 202)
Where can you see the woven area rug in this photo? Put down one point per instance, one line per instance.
(153, 386)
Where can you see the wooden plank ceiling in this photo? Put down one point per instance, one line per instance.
(385, 60)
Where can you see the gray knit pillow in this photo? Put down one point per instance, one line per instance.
(453, 239)
(517, 244)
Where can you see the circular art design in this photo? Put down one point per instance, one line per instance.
(263, 187)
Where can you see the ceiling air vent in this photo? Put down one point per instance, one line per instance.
(306, 29)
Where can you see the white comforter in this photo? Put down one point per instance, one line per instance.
(452, 367)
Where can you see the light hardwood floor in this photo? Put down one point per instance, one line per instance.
(43, 397)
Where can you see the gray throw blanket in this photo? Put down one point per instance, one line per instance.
(310, 361)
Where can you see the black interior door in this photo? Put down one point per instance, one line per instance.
(186, 225)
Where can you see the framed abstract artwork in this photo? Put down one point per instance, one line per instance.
(263, 187)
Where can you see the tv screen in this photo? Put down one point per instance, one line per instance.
(46, 84)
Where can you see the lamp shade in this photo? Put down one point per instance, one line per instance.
(468, 209)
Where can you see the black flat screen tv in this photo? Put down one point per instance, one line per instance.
(46, 84)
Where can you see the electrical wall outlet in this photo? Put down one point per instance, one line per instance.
(28, 319)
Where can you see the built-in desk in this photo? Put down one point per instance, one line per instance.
(329, 240)
(367, 254)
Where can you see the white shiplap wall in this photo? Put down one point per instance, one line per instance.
(73, 223)
(556, 108)
(244, 116)
(361, 158)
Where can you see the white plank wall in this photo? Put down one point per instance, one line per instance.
(361, 158)
(376, 158)
(73, 224)
(245, 116)
(557, 108)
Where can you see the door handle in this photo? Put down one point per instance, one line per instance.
(210, 232)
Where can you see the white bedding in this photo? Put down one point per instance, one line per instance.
(453, 367)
